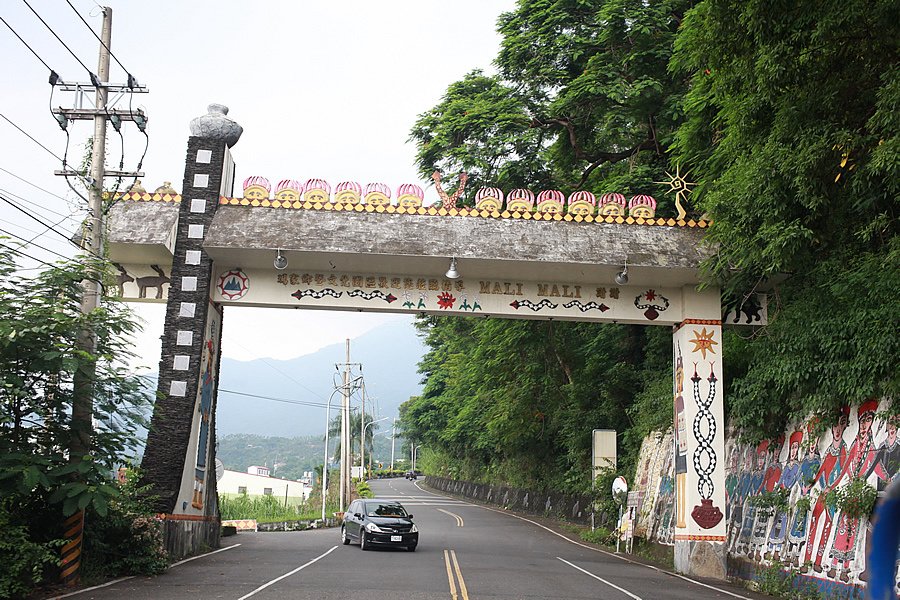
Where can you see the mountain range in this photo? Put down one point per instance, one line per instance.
(258, 396)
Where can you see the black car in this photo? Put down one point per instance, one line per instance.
(379, 523)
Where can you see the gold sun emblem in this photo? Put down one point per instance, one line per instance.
(703, 342)
(680, 186)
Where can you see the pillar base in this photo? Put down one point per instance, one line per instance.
(700, 559)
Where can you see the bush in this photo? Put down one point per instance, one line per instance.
(856, 499)
(128, 539)
(777, 581)
(600, 535)
(364, 491)
(23, 560)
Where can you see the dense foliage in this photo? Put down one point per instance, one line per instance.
(792, 131)
(786, 116)
(515, 401)
(583, 100)
(40, 482)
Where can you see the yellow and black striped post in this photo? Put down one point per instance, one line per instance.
(71, 551)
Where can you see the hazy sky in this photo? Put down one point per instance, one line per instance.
(322, 89)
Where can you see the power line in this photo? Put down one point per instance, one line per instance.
(33, 185)
(17, 251)
(31, 242)
(31, 138)
(70, 216)
(94, 80)
(36, 55)
(49, 227)
(284, 400)
(86, 24)
(266, 362)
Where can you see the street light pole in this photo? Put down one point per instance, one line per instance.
(415, 453)
(362, 445)
(325, 463)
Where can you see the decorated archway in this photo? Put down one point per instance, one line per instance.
(350, 247)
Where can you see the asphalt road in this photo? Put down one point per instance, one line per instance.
(465, 552)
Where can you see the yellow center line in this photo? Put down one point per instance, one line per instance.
(450, 576)
(459, 519)
(462, 584)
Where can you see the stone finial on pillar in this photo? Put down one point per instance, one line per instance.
(217, 126)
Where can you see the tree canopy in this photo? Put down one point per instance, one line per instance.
(786, 117)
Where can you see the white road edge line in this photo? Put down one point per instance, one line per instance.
(96, 587)
(634, 562)
(623, 590)
(121, 579)
(288, 574)
(181, 562)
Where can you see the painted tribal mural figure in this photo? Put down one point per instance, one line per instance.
(826, 477)
(790, 476)
(861, 463)
(800, 518)
(742, 490)
(770, 481)
(757, 480)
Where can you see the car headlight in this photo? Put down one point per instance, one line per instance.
(373, 528)
(414, 529)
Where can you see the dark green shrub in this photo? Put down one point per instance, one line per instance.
(23, 559)
(128, 539)
(600, 535)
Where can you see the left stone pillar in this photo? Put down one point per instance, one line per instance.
(179, 457)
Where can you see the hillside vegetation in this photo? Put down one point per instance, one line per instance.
(787, 119)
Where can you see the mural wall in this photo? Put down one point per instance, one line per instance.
(792, 499)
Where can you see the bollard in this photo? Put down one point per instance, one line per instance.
(71, 551)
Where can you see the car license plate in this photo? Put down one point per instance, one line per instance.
(396, 538)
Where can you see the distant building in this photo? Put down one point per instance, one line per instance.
(257, 482)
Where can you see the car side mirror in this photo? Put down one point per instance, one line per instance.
(358, 516)
(409, 516)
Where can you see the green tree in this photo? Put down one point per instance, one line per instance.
(515, 401)
(40, 320)
(792, 131)
(354, 423)
(583, 100)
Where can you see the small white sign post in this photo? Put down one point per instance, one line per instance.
(619, 492)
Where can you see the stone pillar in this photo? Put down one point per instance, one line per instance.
(179, 457)
(699, 445)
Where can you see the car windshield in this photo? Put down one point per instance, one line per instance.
(384, 510)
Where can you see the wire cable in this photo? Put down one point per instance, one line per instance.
(26, 255)
(66, 171)
(36, 55)
(94, 79)
(284, 400)
(29, 137)
(70, 216)
(86, 24)
(48, 226)
(31, 243)
(37, 187)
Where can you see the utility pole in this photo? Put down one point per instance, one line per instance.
(393, 429)
(83, 380)
(345, 434)
(362, 433)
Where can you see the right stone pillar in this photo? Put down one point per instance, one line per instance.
(699, 444)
